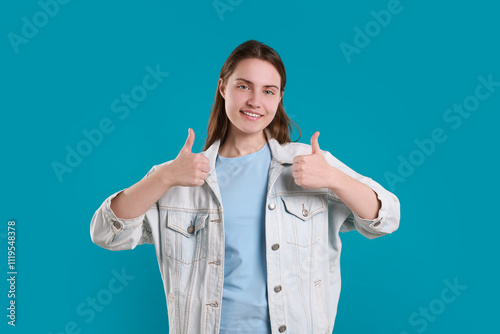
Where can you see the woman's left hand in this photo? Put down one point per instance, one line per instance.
(313, 171)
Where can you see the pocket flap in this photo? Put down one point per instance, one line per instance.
(186, 223)
(303, 206)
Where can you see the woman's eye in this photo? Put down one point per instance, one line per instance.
(268, 92)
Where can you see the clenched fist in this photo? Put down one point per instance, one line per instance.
(188, 169)
(312, 171)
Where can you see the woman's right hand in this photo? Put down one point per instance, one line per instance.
(188, 169)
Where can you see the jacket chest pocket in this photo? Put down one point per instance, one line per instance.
(304, 219)
(185, 236)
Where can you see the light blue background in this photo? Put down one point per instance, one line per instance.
(369, 112)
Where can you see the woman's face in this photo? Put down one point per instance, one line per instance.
(254, 87)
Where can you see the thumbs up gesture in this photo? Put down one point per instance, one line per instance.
(312, 171)
(188, 169)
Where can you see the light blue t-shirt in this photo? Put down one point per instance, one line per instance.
(243, 185)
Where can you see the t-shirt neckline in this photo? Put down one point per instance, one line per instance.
(244, 157)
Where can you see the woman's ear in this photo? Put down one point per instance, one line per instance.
(221, 88)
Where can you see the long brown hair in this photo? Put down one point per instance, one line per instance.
(218, 123)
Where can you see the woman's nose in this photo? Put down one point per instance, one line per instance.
(254, 99)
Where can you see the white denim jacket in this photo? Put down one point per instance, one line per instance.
(303, 245)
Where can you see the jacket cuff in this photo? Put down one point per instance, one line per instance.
(119, 224)
(378, 224)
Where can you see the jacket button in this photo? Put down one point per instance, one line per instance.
(282, 329)
(272, 206)
(275, 246)
(305, 212)
(190, 229)
(277, 288)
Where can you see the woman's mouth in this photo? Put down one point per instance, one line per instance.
(251, 116)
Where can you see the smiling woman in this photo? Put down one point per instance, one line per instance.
(247, 231)
(249, 96)
(251, 81)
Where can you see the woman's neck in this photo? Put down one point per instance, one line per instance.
(242, 144)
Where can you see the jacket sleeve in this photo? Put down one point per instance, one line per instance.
(388, 217)
(113, 233)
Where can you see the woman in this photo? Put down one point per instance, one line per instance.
(247, 232)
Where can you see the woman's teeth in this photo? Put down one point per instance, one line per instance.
(251, 114)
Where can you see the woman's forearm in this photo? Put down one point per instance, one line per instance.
(137, 199)
(359, 197)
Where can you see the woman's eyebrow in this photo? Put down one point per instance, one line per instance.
(249, 82)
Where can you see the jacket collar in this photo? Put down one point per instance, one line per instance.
(279, 153)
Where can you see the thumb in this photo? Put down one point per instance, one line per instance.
(314, 143)
(189, 142)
